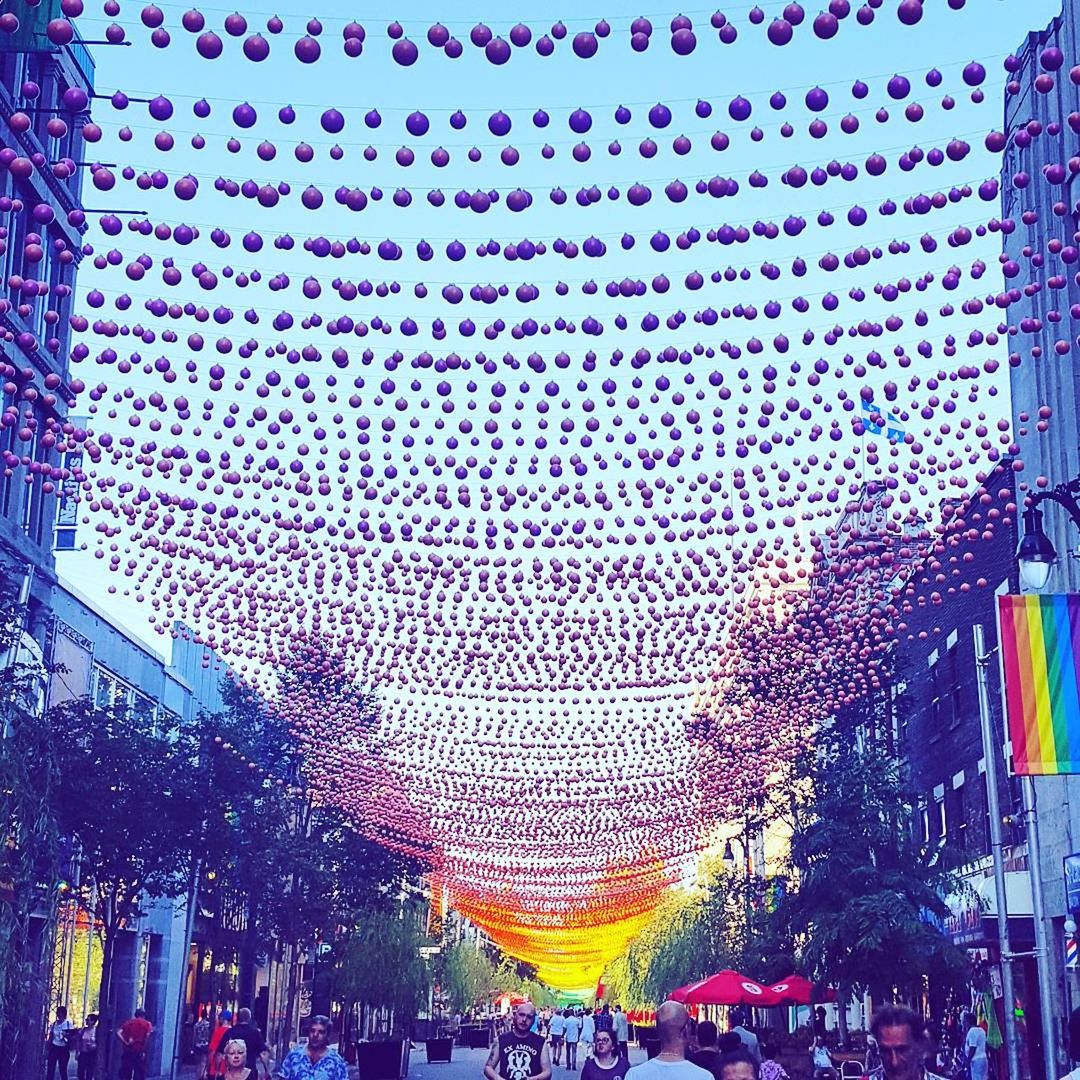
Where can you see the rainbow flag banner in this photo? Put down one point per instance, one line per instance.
(1040, 654)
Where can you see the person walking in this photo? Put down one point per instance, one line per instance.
(621, 1027)
(200, 1044)
(572, 1036)
(975, 1057)
(215, 1064)
(59, 1045)
(235, 1055)
(316, 1061)
(588, 1032)
(899, 1034)
(86, 1056)
(520, 1053)
(556, 1031)
(746, 1036)
(707, 1055)
(607, 1063)
(134, 1034)
(672, 1023)
(252, 1038)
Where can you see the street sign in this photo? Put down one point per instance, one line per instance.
(1071, 864)
(430, 950)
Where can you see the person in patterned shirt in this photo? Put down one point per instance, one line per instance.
(316, 1061)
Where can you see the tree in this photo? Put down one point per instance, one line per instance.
(468, 977)
(693, 933)
(128, 800)
(379, 964)
(301, 866)
(31, 851)
(867, 912)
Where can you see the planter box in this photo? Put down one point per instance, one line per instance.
(386, 1060)
(474, 1036)
(439, 1049)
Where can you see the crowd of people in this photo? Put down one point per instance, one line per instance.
(897, 1048)
(233, 1048)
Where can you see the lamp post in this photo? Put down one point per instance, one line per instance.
(729, 861)
(1035, 556)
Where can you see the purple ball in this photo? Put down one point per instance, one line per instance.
(641, 25)
(499, 124)
(209, 45)
(480, 35)
(520, 35)
(974, 74)
(659, 116)
(580, 121)
(417, 124)
(332, 121)
(256, 48)
(545, 46)
(160, 108)
(817, 99)
(497, 51)
(193, 21)
(639, 42)
(826, 25)
(438, 35)
(244, 116)
(739, 109)
(406, 53)
(909, 12)
(899, 86)
(307, 50)
(780, 32)
(683, 42)
(585, 45)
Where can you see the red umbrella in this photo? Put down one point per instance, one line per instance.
(680, 994)
(729, 988)
(794, 990)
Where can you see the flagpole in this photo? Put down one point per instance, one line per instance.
(993, 806)
(1042, 943)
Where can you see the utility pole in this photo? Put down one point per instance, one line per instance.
(982, 664)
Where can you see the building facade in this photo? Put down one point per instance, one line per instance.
(1043, 218)
(44, 99)
(93, 656)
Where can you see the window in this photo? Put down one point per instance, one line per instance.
(924, 819)
(942, 820)
(954, 688)
(105, 689)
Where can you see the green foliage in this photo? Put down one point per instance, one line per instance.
(468, 976)
(693, 933)
(378, 963)
(870, 897)
(30, 851)
(130, 797)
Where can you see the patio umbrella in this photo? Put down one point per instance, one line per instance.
(679, 995)
(794, 990)
(728, 987)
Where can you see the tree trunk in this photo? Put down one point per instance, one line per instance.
(106, 1020)
(843, 997)
(290, 1004)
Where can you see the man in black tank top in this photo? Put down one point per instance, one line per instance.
(520, 1053)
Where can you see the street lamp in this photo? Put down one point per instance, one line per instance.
(1035, 557)
(1035, 554)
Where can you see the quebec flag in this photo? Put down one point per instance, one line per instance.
(878, 422)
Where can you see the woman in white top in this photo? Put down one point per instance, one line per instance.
(59, 1050)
